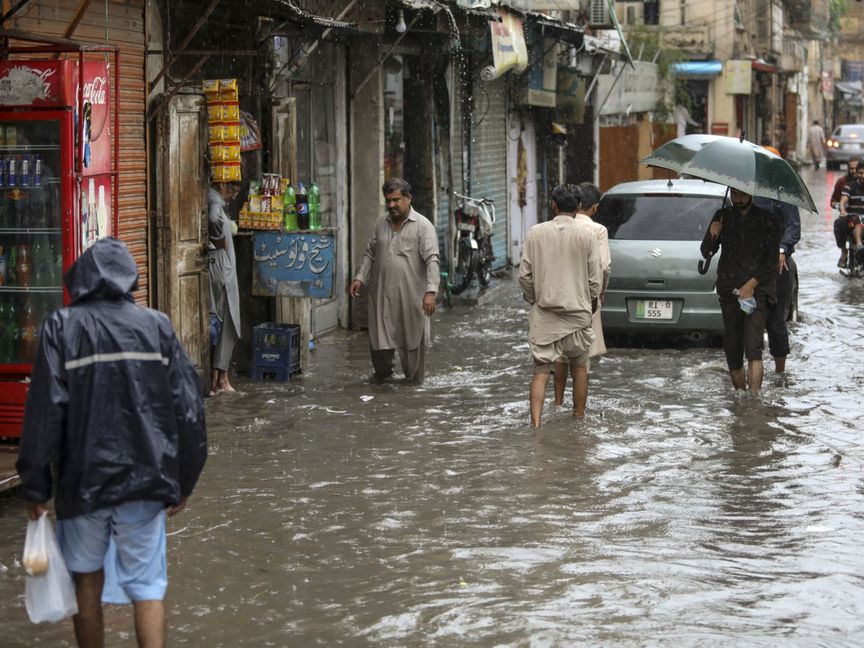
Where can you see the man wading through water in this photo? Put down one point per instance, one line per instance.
(746, 281)
(400, 268)
(561, 277)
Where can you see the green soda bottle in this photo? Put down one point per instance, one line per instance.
(314, 207)
(289, 207)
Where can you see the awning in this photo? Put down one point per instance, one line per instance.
(701, 69)
(762, 66)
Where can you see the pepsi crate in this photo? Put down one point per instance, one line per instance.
(275, 350)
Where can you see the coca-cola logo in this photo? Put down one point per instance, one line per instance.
(96, 90)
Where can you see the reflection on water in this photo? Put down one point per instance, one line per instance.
(333, 512)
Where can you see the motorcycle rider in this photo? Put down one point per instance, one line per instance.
(841, 229)
(852, 209)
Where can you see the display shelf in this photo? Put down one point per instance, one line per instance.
(30, 230)
(36, 148)
(21, 290)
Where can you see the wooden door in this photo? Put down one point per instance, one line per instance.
(184, 289)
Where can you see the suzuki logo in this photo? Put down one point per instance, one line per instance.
(656, 253)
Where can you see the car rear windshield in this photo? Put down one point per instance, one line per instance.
(663, 217)
(852, 131)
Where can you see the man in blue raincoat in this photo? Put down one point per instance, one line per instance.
(116, 404)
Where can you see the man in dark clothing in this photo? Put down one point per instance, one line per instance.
(852, 209)
(747, 270)
(775, 325)
(116, 403)
(841, 227)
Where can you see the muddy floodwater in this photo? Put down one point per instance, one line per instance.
(336, 513)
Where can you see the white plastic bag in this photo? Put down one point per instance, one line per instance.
(49, 593)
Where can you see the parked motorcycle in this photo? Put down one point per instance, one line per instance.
(474, 219)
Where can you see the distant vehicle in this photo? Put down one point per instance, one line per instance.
(655, 229)
(846, 142)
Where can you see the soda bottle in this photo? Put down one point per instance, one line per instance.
(5, 344)
(2, 265)
(302, 208)
(37, 263)
(37, 171)
(11, 170)
(13, 333)
(289, 207)
(29, 338)
(24, 266)
(11, 269)
(314, 207)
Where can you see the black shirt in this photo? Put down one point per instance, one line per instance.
(854, 190)
(750, 245)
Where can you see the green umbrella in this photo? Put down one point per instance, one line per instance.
(735, 163)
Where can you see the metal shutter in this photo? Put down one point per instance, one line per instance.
(489, 157)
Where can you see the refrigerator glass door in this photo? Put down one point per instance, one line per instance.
(31, 233)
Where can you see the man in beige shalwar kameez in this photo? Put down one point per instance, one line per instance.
(561, 277)
(401, 272)
(585, 216)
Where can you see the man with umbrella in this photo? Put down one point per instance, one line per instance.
(748, 238)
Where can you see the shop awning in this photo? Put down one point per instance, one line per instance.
(700, 69)
(762, 66)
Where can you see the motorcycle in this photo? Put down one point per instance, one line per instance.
(854, 262)
(474, 219)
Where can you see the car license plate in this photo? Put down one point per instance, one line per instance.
(852, 147)
(659, 309)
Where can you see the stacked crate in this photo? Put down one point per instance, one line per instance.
(275, 351)
(223, 121)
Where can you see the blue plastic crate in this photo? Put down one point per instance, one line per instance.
(271, 373)
(276, 346)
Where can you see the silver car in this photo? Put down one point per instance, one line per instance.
(845, 143)
(655, 229)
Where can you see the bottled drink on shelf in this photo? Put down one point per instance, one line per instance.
(25, 171)
(314, 207)
(11, 171)
(289, 207)
(37, 171)
(2, 265)
(11, 267)
(24, 266)
(302, 207)
(37, 262)
(8, 332)
(11, 136)
(29, 323)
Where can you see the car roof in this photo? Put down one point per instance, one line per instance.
(678, 186)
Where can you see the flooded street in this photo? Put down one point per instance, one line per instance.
(333, 512)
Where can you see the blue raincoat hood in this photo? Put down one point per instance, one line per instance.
(106, 269)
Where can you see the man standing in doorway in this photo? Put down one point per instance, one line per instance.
(115, 413)
(561, 277)
(401, 272)
(746, 281)
(224, 291)
(816, 143)
(585, 216)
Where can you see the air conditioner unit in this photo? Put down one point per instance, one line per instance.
(598, 15)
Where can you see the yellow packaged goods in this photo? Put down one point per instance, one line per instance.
(223, 112)
(229, 172)
(225, 151)
(224, 132)
(211, 89)
(255, 203)
(228, 90)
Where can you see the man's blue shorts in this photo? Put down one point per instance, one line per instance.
(135, 563)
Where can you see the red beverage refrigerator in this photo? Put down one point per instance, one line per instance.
(58, 157)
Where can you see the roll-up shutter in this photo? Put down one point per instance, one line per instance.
(489, 158)
(125, 29)
(445, 200)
